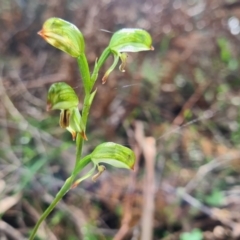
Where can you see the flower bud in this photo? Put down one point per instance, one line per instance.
(113, 154)
(63, 35)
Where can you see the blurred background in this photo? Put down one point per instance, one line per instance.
(177, 107)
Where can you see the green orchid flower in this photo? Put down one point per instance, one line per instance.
(61, 96)
(109, 153)
(64, 36)
(67, 37)
(124, 40)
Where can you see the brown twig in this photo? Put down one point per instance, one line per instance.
(205, 169)
(190, 103)
(10, 231)
(149, 151)
(129, 198)
(44, 232)
(8, 202)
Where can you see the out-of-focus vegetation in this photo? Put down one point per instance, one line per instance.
(185, 95)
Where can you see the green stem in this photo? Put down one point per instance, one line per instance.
(85, 74)
(81, 164)
(65, 188)
(86, 108)
(79, 146)
(105, 54)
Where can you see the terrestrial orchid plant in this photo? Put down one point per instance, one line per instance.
(68, 38)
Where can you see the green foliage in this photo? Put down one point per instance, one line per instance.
(89, 234)
(225, 53)
(235, 135)
(216, 198)
(195, 234)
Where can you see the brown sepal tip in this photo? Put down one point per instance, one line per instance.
(49, 107)
(104, 79)
(74, 136)
(84, 136)
(74, 185)
(40, 33)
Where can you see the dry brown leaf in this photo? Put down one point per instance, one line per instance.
(8, 202)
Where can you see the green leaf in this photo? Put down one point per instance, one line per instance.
(113, 154)
(64, 36)
(196, 234)
(225, 52)
(215, 199)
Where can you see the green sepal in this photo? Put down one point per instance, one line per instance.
(99, 62)
(123, 57)
(64, 36)
(75, 124)
(131, 40)
(110, 153)
(61, 96)
(92, 95)
(113, 154)
(115, 61)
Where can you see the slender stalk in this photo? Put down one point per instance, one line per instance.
(83, 163)
(85, 110)
(65, 188)
(105, 54)
(79, 146)
(85, 74)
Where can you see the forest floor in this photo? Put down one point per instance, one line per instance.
(177, 107)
